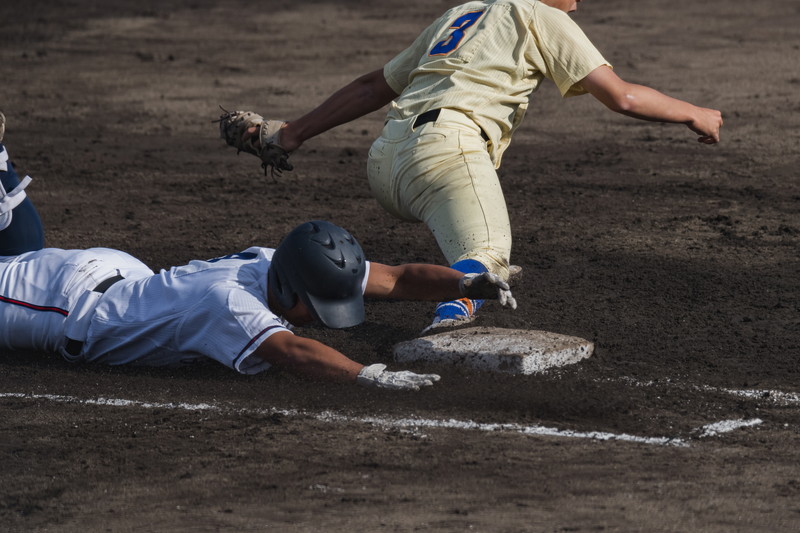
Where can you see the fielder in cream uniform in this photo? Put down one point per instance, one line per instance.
(457, 94)
(475, 68)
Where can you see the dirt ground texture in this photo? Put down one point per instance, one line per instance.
(678, 260)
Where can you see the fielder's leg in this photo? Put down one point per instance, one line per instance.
(460, 199)
(20, 226)
(440, 173)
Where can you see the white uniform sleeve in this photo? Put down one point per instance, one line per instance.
(366, 278)
(227, 325)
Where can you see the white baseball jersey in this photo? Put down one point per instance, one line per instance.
(207, 309)
(39, 290)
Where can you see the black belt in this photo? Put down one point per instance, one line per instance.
(432, 115)
(74, 347)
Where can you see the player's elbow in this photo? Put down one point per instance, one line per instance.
(612, 91)
(623, 102)
(374, 90)
(617, 95)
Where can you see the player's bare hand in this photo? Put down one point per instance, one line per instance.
(252, 136)
(706, 123)
(487, 285)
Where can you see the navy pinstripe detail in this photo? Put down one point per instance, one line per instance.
(254, 339)
(34, 306)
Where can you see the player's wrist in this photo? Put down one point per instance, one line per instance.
(289, 138)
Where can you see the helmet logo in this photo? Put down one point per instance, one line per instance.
(327, 243)
(340, 262)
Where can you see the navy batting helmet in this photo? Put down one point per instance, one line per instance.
(324, 266)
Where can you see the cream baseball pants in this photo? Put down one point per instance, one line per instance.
(440, 173)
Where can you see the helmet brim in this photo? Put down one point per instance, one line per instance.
(338, 314)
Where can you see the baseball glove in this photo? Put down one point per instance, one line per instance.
(232, 128)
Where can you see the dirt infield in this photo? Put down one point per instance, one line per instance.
(678, 260)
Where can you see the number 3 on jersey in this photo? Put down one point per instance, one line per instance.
(452, 41)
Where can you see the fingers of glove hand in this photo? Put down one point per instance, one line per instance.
(494, 279)
(377, 376)
(408, 380)
(483, 285)
(509, 300)
(413, 376)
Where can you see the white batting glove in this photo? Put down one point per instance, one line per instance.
(487, 285)
(377, 376)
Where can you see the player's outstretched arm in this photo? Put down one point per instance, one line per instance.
(308, 358)
(312, 359)
(645, 103)
(420, 281)
(250, 132)
(364, 95)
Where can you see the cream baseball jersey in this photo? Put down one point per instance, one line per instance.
(213, 309)
(485, 58)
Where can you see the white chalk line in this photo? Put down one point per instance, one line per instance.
(714, 429)
(726, 426)
(787, 399)
(773, 396)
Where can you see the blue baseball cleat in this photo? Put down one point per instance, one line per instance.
(454, 313)
(462, 311)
